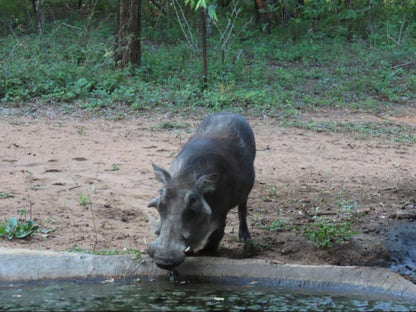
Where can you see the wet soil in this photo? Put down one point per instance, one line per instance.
(86, 180)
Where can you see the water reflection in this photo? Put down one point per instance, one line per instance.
(165, 296)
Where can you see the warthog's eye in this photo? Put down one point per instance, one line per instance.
(188, 215)
(191, 198)
(162, 207)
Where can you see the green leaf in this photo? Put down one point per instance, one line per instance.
(5, 195)
(26, 232)
(200, 3)
(13, 229)
(2, 229)
(12, 223)
(211, 12)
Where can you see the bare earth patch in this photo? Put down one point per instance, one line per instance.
(87, 181)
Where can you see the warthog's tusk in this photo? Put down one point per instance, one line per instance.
(187, 249)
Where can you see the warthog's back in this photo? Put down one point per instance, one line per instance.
(222, 139)
(228, 125)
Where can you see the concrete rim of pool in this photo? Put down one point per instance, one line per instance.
(31, 265)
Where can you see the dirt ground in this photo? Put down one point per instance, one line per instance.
(87, 181)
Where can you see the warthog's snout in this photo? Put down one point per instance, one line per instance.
(166, 258)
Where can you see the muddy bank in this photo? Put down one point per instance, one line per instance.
(401, 246)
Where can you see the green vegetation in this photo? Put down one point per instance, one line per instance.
(171, 125)
(275, 76)
(16, 228)
(278, 226)
(387, 129)
(348, 209)
(327, 228)
(114, 167)
(125, 251)
(271, 194)
(326, 233)
(5, 195)
(326, 55)
(84, 200)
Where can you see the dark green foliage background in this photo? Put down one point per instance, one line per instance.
(329, 55)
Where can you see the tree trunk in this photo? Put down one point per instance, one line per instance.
(204, 48)
(38, 7)
(127, 40)
(264, 17)
(258, 5)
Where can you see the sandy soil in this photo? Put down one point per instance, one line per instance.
(86, 181)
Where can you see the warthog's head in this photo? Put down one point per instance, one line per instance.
(185, 218)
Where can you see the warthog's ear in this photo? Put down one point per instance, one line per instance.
(154, 203)
(206, 183)
(161, 175)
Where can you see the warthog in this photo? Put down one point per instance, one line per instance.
(213, 173)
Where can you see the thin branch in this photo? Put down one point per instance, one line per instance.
(13, 33)
(72, 26)
(30, 206)
(186, 29)
(73, 179)
(90, 203)
(161, 9)
(94, 5)
(94, 188)
(403, 65)
(227, 36)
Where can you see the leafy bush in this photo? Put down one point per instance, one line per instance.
(13, 228)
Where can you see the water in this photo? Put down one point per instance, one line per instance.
(165, 296)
